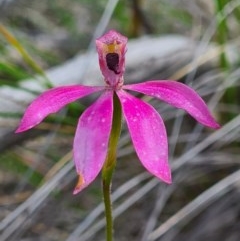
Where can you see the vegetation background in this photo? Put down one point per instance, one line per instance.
(38, 39)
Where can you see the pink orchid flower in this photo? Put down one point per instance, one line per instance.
(145, 125)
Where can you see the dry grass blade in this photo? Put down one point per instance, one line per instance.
(160, 202)
(230, 126)
(121, 208)
(15, 219)
(197, 205)
(91, 218)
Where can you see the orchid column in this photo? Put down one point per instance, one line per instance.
(98, 129)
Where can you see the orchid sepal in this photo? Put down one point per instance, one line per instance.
(179, 95)
(93, 132)
(51, 101)
(148, 135)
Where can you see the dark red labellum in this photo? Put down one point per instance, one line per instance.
(113, 62)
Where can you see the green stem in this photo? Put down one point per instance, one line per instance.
(110, 164)
(108, 209)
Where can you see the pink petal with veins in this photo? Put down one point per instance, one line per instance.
(91, 140)
(148, 134)
(52, 101)
(178, 95)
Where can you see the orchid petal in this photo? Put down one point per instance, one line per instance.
(178, 95)
(91, 140)
(148, 135)
(52, 101)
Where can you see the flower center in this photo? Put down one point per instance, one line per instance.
(113, 62)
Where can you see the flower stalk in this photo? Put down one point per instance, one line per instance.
(109, 166)
(106, 186)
